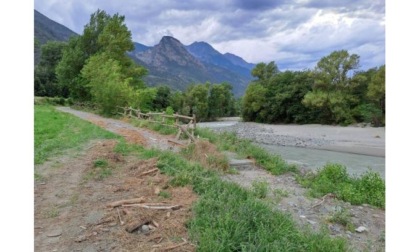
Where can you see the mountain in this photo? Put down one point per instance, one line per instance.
(236, 60)
(138, 48)
(206, 53)
(171, 63)
(48, 30)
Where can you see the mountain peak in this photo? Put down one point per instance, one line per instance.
(169, 39)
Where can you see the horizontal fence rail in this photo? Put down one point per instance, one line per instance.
(185, 124)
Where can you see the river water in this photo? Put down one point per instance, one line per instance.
(315, 158)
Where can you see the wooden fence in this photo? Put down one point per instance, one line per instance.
(185, 124)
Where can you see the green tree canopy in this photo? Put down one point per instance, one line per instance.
(105, 35)
(331, 91)
(108, 85)
(46, 83)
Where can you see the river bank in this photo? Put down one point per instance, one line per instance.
(311, 146)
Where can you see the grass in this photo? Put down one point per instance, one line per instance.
(165, 194)
(279, 194)
(52, 212)
(342, 216)
(100, 170)
(56, 132)
(260, 189)
(230, 142)
(369, 188)
(227, 217)
(162, 129)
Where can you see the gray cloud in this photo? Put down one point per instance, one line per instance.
(294, 33)
(256, 5)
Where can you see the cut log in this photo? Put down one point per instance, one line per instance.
(127, 201)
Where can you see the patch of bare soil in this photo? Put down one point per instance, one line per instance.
(78, 204)
(340, 218)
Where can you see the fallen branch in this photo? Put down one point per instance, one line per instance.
(127, 201)
(148, 172)
(176, 142)
(176, 207)
(155, 223)
(119, 216)
(323, 199)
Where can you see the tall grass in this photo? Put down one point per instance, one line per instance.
(230, 142)
(55, 132)
(228, 217)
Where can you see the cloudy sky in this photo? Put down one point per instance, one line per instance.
(293, 33)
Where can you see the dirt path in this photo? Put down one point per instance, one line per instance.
(71, 195)
(132, 134)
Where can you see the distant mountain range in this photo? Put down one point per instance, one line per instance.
(172, 63)
(169, 62)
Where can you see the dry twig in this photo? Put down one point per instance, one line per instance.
(149, 206)
(323, 199)
(127, 201)
(175, 246)
(148, 172)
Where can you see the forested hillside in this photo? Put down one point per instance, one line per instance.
(46, 30)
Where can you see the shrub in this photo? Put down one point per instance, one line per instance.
(333, 178)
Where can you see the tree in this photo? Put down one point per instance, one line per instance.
(264, 71)
(162, 99)
(196, 101)
(103, 35)
(46, 83)
(376, 88)
(109, 87)
(254, 103)
(331, 90)
(221, 102)
(376, 92)
(332, 71)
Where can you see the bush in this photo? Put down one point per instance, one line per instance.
(333, 178)
(55, 101)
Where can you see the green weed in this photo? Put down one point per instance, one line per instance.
(52, 212)
(333, 178)
(342, 216)
(279, 194)
(165, 194)
(260, 189)
(100, 163)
